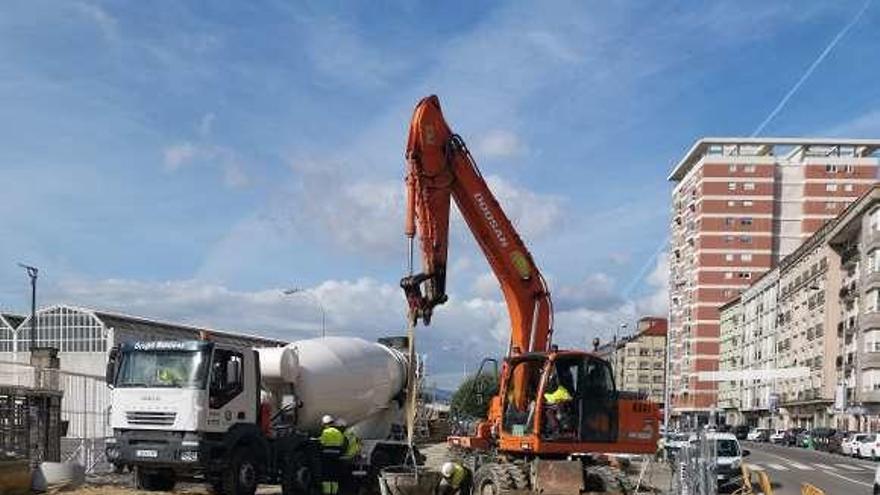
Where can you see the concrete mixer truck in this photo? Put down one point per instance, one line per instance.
(236, 416)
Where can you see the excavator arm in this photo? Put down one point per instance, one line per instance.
(440, 167)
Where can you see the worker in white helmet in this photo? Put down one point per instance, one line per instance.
(332, 446)
(456, 479)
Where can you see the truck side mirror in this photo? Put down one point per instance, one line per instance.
(112, 364)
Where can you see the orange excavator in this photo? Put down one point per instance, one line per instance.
(556, 411)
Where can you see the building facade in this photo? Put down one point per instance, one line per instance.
(757, 350)
(639, 360)
(738, 207)
(730, 359)
(856, 241)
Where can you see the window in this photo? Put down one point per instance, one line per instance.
(749, 169)
(749, 186)
(728, 257)
(728, 239)
(748, 203)
(731, 203)
(728, 275)
(745, 239)
(227, 377)
(831, 187)
(872, 260)
(848, 169)
(871, 300)
(728, 221)
(830, 205)
(731, 186)
(848, 187)
(745, 275)
(831, 169)
(745, 221)
(875, 219)
(872, 341)
(731, 167)
(745, 257)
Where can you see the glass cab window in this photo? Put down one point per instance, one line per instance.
(162, 369)
(521, 397)
(227, 377)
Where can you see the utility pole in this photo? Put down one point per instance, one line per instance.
(32, 273)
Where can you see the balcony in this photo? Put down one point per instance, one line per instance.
(869, 396)
(849, 255)
(870, 360)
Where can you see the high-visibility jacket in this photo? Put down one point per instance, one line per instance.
(458, 475)
(557, 396)
(332, 439)
(353, 445)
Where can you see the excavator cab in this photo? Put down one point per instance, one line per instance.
(563, 397)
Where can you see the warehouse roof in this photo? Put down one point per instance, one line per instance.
(10, 320)
(120, 321)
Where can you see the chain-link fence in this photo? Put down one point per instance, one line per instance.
(84, 415)
(695, 467)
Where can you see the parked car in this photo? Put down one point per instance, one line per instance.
(759, 435)
(825, 439)
(740, 432)
(850, 445)
(777, 436)
(674, 442)
(791, 436)
(728, 463)
(804, 439)
(869, 448)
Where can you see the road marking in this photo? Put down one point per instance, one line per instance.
(826, 471)
(778, 467)
(802, 467)
(850, 467)
(848, 479)
(823, 466)
(755, 467)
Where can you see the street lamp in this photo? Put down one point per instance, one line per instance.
(299, 290)
(32, 273)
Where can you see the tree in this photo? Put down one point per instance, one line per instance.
(471, 400)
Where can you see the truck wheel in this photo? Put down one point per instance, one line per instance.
(154, 481)
(296, 475)
(242, 476)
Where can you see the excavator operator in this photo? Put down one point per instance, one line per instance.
(556, 400)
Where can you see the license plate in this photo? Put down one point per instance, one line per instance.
(147, 453)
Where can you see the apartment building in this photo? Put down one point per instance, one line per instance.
(740, 205)
(823, 356)
(730, 359)
(639, 360)
(856, 240)
(759, 325)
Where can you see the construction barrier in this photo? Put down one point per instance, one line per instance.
(808, 489)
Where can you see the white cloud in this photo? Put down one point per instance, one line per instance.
(656, 303)
(177, 155)
(499, 143)
(534, 214)
(97, 14)
(224, 159)
(486, 286)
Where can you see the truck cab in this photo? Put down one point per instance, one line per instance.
(184, 409)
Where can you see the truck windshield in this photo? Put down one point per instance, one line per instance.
(161, 368)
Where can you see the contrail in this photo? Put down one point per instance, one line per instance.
(627, 292)
(794, 89)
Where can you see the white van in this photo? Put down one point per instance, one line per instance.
(728, 461)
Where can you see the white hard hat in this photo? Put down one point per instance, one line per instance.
(447, 469)
(326, 420)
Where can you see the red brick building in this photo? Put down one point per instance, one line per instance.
(738, 206)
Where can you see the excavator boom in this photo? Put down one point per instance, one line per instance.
(440, 167)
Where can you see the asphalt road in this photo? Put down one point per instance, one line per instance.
(789, 467)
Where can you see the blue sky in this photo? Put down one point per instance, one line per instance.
(187, 160)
